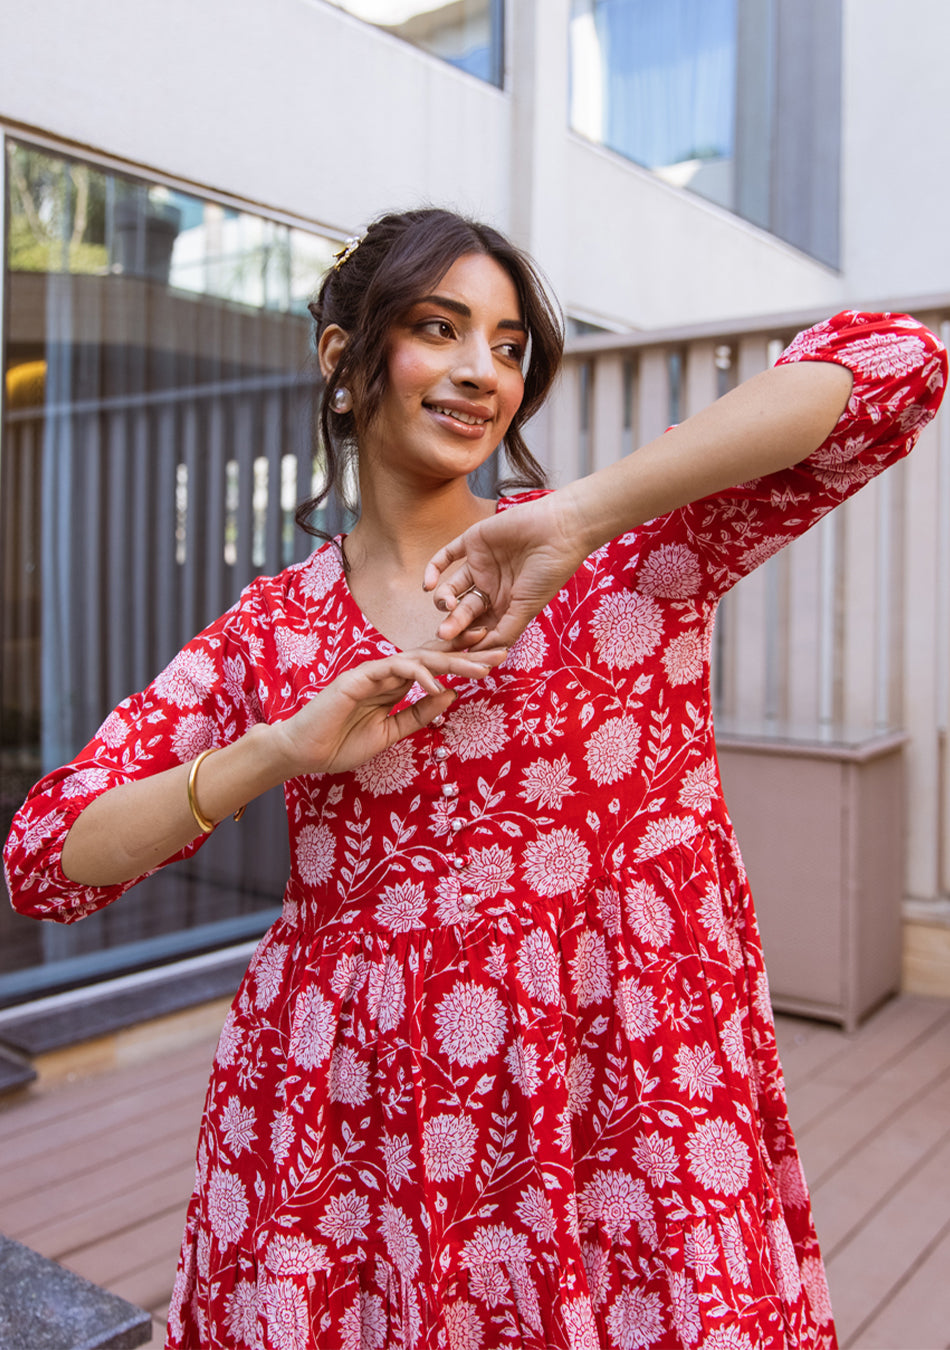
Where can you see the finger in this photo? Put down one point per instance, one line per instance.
(452, 552)
(420, 714)
(459, 644)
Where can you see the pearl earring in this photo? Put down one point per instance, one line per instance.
(342, 400)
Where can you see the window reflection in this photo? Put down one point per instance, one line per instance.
(157, 434)
(466, 33)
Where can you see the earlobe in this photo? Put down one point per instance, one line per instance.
(330, 348)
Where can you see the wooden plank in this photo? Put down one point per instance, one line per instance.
(918, 1314)
(120, 1257)
(869, 1269)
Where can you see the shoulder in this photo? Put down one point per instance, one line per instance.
(301, 584)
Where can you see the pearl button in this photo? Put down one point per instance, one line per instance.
(457, 825)
(469, 899)
(440, 753)
(458, 864)
(450, 790)
(438, 721)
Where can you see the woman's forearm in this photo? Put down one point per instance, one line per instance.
(134, 827)
(770, 422)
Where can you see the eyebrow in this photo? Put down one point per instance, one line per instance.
(464, 312)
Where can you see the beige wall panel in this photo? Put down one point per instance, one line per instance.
(700, 376)
(607, 411)
(860, 594)
(653, 394)
(803, 603)
(563, 427)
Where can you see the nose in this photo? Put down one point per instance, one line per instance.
(475, 367)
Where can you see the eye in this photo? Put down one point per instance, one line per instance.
(512, 351)
(437, 327)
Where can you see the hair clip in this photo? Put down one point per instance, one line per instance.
(349, 247)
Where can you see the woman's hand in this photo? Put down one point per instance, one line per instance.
(351, 720)
(519, 558)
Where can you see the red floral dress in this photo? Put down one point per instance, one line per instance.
(504, 1073)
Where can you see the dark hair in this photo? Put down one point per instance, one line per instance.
(400, 258)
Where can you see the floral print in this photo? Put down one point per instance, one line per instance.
(504, 1073)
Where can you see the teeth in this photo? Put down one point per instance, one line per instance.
(459, 416)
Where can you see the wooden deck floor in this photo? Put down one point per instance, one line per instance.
(97, 1171)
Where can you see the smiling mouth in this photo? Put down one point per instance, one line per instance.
(467, 418)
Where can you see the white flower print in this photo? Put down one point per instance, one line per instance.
(702, 1251)
(581, 1327)
(784, 1260)
(671, 572)
(192, 734)
(471, 1023)
(809, 341)
(657, 1158)
(712, 916)
(497, 964)
(268, 970)
(718, 1158)
(489, 870)
(649, 914)
(295, 649)
(700, 788)
(612, 749)
(237, 1122)
(580, 1080)
(791, 1182)
(348, 975)
(697, 1072)
(609, 903)
(881, 354)
(463, 1325)
(548, 782)
(284, 1313)
(538, 966)
(315, 850)
(402, 907)
(757, 554)
(242, 1308)
(386, 993)
(311, 1034)
(448, 1145)
(590, 969)
(319, 572)
(363, 1325)
(86, 780)
(494, 1243)
(450, 907)
(391, 770)
(556, 863)
(734, 1248)
(345, 1218)
(687, 1322)
(636, 1008)
(291, 1254)
(348, 1077)
(475, 729)
(524, 1066)
(617, 1201)
(684, 657)
(529, 651)
(114, 730)
(594, 1257)
(229, 1041)
(397, 1155)
(816, 1288)
(669, 832)
(535, 1212)
(187, 680)
(733, 1044)
(728, 1338)
(635, 1320)
(844, 478)
(489, 1284)
(626, 627)
(402, 1244)
(234, 673)
(282, 1135)
(227, 1206)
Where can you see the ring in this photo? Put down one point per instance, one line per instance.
(486, 600)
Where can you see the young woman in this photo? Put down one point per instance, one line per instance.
(504, 1073)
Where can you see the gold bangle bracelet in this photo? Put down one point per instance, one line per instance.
(201, 820)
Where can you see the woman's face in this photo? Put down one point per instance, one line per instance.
(454, 375)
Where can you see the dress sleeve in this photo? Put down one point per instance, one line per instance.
(208, 696)
(899, 371)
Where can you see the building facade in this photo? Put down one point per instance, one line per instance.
(693, 176)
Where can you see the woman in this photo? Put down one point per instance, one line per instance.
(505, 1072)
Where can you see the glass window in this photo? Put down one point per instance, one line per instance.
(159, 392)
(736, 100)
(466, 33)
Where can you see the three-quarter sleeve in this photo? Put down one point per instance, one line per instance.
(209, 695)
(899, 369)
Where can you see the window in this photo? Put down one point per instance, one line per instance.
(736, 100)
(159, 391)
(466, 33)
